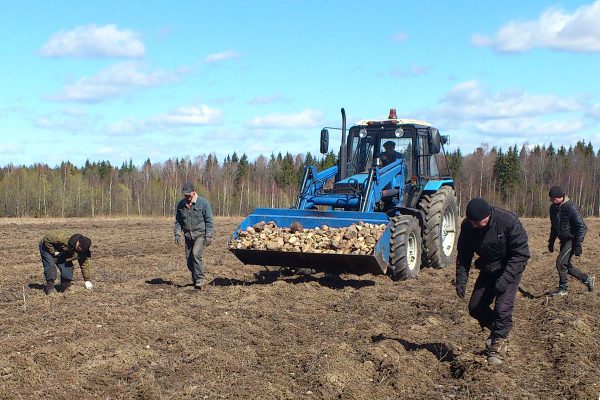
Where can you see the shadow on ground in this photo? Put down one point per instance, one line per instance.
(530, 295)
(267, 277)
(36, 286)
(161, 281)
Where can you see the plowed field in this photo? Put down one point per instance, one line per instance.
(143, 332)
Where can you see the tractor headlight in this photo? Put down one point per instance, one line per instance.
(362, 133)
(399, 132)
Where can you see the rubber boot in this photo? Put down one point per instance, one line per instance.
(65, 284)
(590, 283)
(49, 289)
(496, 350)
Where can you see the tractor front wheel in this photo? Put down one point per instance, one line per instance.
(439, 235)
(405, 247)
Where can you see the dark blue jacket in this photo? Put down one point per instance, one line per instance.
(502, 247)
(567, 223)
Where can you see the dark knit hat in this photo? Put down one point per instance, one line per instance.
(555, 192)
(85, 243)
(73, 240)
(188, 188)
(478, 209)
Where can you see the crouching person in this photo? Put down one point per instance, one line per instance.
(499, 240)
(58, 248)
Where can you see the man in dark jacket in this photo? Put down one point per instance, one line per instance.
(568, 226)
(59, 248)
(194, 219)
(500, 241)
(389, 155)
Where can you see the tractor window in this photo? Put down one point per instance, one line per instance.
(433, 167)
(424, 158)
(360, 156)
(397, 148)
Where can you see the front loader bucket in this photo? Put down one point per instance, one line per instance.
(375, 263)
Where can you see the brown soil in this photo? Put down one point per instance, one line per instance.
(143, 332)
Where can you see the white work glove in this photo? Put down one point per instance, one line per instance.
(56, 253)
(88, 285)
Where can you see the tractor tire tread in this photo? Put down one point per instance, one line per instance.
(433, 208)
(402, 227)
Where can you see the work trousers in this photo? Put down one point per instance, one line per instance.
(194, 249)
(499, 319)
(51, 262)
(564, 265)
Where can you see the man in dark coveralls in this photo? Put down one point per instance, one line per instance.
(499, 240)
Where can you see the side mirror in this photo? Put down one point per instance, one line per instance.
(435, 141)
(324, 141)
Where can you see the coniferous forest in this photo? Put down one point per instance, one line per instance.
(517, 179)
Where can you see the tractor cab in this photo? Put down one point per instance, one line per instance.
(401, 151)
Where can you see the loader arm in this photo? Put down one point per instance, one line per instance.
(313, 183)
(382, 182)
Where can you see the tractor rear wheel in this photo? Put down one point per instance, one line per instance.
(405, 247)
(439, 235)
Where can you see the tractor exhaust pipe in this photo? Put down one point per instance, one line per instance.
(343, 150)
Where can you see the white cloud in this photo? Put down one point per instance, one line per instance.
(106, 150)
(192, 115)
(412, 71)
(195, 115)
(69, 119)
(399, 37)
(56, 124)
(511, 116)
(7, 148)
(93, 41)
(554, 29)
(594, 112)
(222, 56)
(74, 112)
(521, 127)
(470, 101)
(128, 126)
(274, 98)
(308, 118)
(112, 82)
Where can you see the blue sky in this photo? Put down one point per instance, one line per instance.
(155, 79)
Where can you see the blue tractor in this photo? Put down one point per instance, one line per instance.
(387, 173)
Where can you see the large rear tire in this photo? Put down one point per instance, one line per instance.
(439, 236)
(405, 247)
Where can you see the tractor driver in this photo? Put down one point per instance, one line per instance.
(389, 155)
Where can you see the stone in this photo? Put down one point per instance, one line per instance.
(359, 238)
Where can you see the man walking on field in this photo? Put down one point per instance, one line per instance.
(500, 241)
(194, 219)
(568, 226)
(58, 248)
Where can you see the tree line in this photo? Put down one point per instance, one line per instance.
(517, 179)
